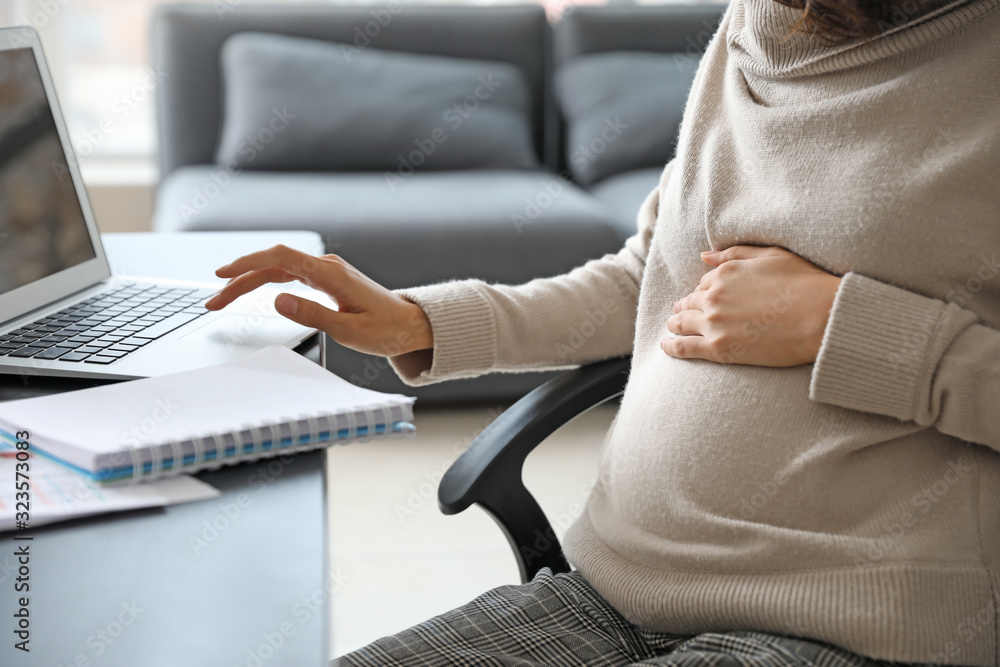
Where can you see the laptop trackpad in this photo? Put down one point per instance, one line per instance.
(250, 330)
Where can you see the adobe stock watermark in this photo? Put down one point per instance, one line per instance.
(582, 157)
(225, 517)
(696, 45)
(755, 327)
(8, 568)
(418, 496)
(229, 512)
(915, 344)
(301, 612)
(32, 366)
(329, 245)
(162, 410)
(105, 636)
(121, 108)
(987, 269)
(245, 325)
(535, 204)
(257, 314)
(454, 117)
(561, 520)
(885, 199)
(593, 321)
(768, 489)
(374, 367)
(966, 632)
(363, 35)
(921, 504)
(142, 433)
(558, 10)
(902, 13)
(249, 149)
(46, 11)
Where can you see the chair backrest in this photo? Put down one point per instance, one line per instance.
(187, 40)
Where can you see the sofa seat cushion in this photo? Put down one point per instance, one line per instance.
(622, 195)
(504, 226)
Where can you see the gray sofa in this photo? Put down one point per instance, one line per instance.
(572, 199)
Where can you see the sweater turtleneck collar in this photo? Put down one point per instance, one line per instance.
(760, 36)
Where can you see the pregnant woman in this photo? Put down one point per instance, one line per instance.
(812, 302)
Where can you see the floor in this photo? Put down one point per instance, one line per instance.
(397, 558)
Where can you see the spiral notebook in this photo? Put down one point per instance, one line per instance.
(268, 403)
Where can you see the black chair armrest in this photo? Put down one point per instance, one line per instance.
(488, 473)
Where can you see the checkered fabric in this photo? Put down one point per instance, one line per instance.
(559, 620)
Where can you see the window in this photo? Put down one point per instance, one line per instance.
(98, 54)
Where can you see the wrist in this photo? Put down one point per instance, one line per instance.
(419, 328)
(824, 307)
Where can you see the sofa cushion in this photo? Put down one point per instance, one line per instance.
(503, 226)
(622, 110)
(623, 194)
(302, 104)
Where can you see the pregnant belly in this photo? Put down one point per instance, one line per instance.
(704, 453)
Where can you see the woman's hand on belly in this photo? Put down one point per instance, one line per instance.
(758, 306)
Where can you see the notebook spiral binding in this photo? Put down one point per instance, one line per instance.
(136, 462)
(352, 426)
(301, 441)
(256, 438)
(176, 451)
(275, 433)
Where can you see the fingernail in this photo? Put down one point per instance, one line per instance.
(676, 306)
(287, 305)
(709, 253)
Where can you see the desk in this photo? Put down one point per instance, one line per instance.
(239, 580)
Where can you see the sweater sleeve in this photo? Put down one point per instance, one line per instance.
(890, 351)
(560, 322)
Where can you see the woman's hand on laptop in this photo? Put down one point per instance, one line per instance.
(370, 318)
(758, 306)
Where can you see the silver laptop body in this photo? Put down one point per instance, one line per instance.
(53, 269)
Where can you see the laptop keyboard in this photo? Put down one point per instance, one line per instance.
(108, 326)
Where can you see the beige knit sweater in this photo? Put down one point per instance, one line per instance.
(855, 500)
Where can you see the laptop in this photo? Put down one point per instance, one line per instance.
(62, 312)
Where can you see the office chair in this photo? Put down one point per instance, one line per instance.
(488, 473)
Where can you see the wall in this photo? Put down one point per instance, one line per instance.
(122, 194)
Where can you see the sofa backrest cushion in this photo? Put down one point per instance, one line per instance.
(684, 29)
(623, 110)
(680, 32)
(188, 38)
(308, 105)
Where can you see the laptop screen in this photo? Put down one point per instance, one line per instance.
(42, 228)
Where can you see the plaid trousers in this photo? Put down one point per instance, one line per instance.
(560, 620)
